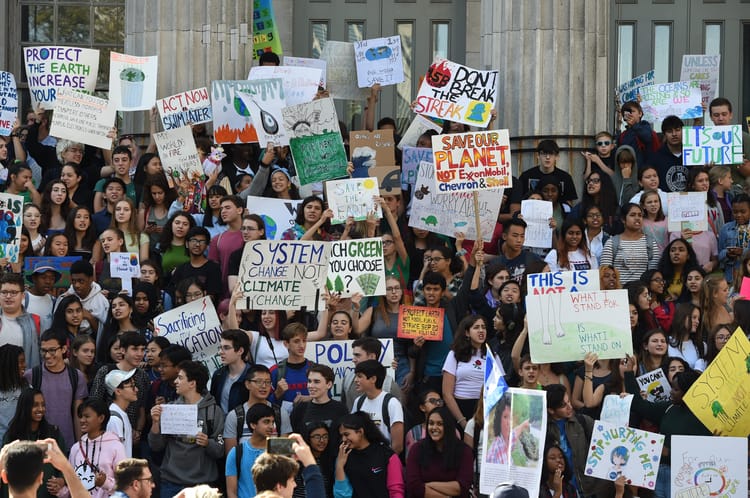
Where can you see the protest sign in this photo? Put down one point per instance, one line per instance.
(687, 210)
(471, 161)
(457, 93)
(278, 214)
(179, 156)
(315, 141)
(449, 213)
(389, 179)
(629, 90)
(232, 122)
(708, 466)
(745, 288)
(60, 263)
(420, 321)
(185, 108)
(132, 81)
(616, 409)
(8, 102)
(356, 266)
(617, 450)
(264, 99)
(196, 326)
(379, 60)
(307, 62)
(11, 216)
(179, 419)
(265, 31)
(352, 197)
(719, 398)
(704, 69)
(536, 214)
(680, 98)
(338, 356)
(370, 149)
(563, 281)
(566, 326)
(341, 74)
(410, 159)
(416, 129)
(711, 144)
(125, 266)
(49, 68)
(514, 450)
(282, 275)
(655, 385)
(82, 118)
(300, 83)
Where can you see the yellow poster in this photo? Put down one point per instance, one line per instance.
(720, 398)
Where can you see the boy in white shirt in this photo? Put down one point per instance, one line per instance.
(368, 379)
(121, 386)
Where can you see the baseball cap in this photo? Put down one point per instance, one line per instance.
(115, 378)
(507, 490)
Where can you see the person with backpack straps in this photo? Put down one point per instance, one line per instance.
(638, 133)
(632, 252)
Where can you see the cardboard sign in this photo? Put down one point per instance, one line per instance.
(132, 81)
(11, 214)
(410, 159)
(629, 90)
(282, 275)
(711, 144)
(562, 281)
(687, 210)
(616, 451)
(416, 129)
(370, 149)
(265, 31)
(307, 62)
(379, 60)
(278, 214)
(356, 266)
(8, 102)
(179, 156)
(232, 121)
(516, 455)
(457, 93)
(536, 214)
(719, 398)
(420, 321)
(264, 99)
(341, 73)
(59, 263)
(315, 141)
(179, 419)
(185, 109)
(466, 162)
(195, 326)
(82, 118)
(566, 326)
(708, 466)
(338, 356)
(704, 69)
(49, 68)
(655, 385)
(454, 212)
(616, 410)
(300, 83)
(352, 197)
(680, 98)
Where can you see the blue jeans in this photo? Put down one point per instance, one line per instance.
(663, 482)
(169, 489)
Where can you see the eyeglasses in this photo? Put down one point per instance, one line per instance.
(12, 293)
(594, 215)
(659, 280)
(50, 351)
(194, 295)
(723, 338)
(393, 289)
(199, 242)
(435, 401)
(248, 229)
(388, 242)
(603, 143)
(261, 383)
(128, 385)
(319, 437)
(149, 479)
(593, 180)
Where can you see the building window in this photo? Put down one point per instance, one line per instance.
(440, 39)
(712, 38)
(662, 52)
(624, 53)
(319, 37)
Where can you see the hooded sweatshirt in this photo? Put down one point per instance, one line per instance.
(104, 452)
(185, 462)
(96, 303)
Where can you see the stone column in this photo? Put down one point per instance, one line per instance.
(553, 60)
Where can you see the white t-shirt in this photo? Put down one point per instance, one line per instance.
(41, 306)
(469, 375)
(374, 408)
(264, 354)
(121, 428)
(11, 332)
(577, 260)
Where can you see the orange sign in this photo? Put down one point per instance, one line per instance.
(420, 321)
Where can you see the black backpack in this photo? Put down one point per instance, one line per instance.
(239, 411)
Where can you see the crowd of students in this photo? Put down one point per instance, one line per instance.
(82, 366)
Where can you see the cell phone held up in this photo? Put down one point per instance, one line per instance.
(279, 446)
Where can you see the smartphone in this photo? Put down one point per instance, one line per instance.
(279, 446)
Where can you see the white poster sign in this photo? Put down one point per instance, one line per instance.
(49, 68)
(179, 419)
(537, 214)
(278, 214)
(185, 108)
(8, 102)
(83, 118)
(132, 81)
(300, 83)
(341, 75)
(307, 62)
(379, 60)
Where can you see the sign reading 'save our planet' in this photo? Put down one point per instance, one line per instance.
(472, 161)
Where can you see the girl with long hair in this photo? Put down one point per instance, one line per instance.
(422, 241)
(68, 315)
(151, 273)
(280, 185)
(640, 297)
(32, 222)
(556, 476)
(83, 357)
(125, 218)
(172, 242)
(720, 177)
(717, 339)
(572, 252)
(677, 256)
(653, 352)
(155, 346)
(595, 235)
(72, 176)
(118, 321)
(685, 338)
(113, 240)
(145, 303)
(312, 221)
(714, 305)
(81, 234)
(599, 191)
(662, 307)
(12, 366)
(253, 228)
(694, 285)
(654, 219)
(427, 400)
(56, 245)
(55, 208)
(153, 212)
(593, 381)
(699, 181)
(609, 278)
(631, 252)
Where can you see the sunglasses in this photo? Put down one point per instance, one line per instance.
(603, 143)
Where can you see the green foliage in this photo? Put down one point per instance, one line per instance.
(132, 74)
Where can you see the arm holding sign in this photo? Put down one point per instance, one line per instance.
(18, 150)
(395, 232)
(521, 341)
(153, 117)
(372, 99)
(310, 233)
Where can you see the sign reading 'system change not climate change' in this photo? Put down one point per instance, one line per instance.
(472, 161)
